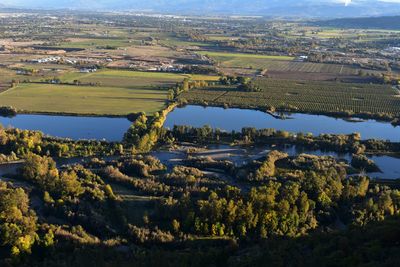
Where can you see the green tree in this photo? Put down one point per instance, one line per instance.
(17, 221)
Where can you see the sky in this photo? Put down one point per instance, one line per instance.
(24, 2)
(260, 7)
(77, 3)
(30, 3)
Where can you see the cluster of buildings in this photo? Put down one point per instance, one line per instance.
(66, 60)
(87, 70)
(394, 50)
(46, 60)
(166, 68)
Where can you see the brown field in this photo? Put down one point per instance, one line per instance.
(10, 42)
(151, 51)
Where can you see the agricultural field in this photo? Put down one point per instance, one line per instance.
(244, 60)
(42, 72)
(149, 51)
(87, 100)
(5, 81)
(122, 78)
(171, 41)
(6, 75)
(220, 37)
(312, 97)
(12, 60)
(293, 66)
(106, 92)
(221, 55)
(95, 43)
(276, 63)
(352, 34)
(188, 186)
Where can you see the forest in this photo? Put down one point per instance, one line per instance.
(277, 202)
(146, 139)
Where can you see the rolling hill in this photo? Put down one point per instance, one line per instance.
(292, 8)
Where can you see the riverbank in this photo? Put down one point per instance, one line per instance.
(237, 119)
(338, 115)
(69, 114)
(236, 156)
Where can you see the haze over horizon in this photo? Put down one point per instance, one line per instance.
(305, 8)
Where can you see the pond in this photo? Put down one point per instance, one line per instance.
(235, 119)
(390, 166)
(99, 128)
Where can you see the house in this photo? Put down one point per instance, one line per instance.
(46, 60)
(87, 70)
(22, 72)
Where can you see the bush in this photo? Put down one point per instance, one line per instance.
(8, 111)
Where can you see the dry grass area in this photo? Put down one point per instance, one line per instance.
(151, 51)
(12, 43)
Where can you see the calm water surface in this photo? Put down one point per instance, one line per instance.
(390, 166)
(113, 129)
(236, 119)
(110, 129)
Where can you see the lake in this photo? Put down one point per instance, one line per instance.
(74, 127)
(235, 119)
(113, 129)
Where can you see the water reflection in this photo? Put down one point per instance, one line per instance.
(236, 119)
(99, 128)
(390, 166)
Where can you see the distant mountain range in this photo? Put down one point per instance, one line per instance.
(392, 23)
(276, 8)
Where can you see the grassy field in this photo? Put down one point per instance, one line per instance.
(313, 97)
(219, 37)
(135, 206)
(94, 43)
(116, 93)
(171, 41)
(83, 99)
(226, 55)
(121, 78)
(276, 63)
(6, 75)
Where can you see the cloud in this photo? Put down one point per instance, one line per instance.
(347, 2)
